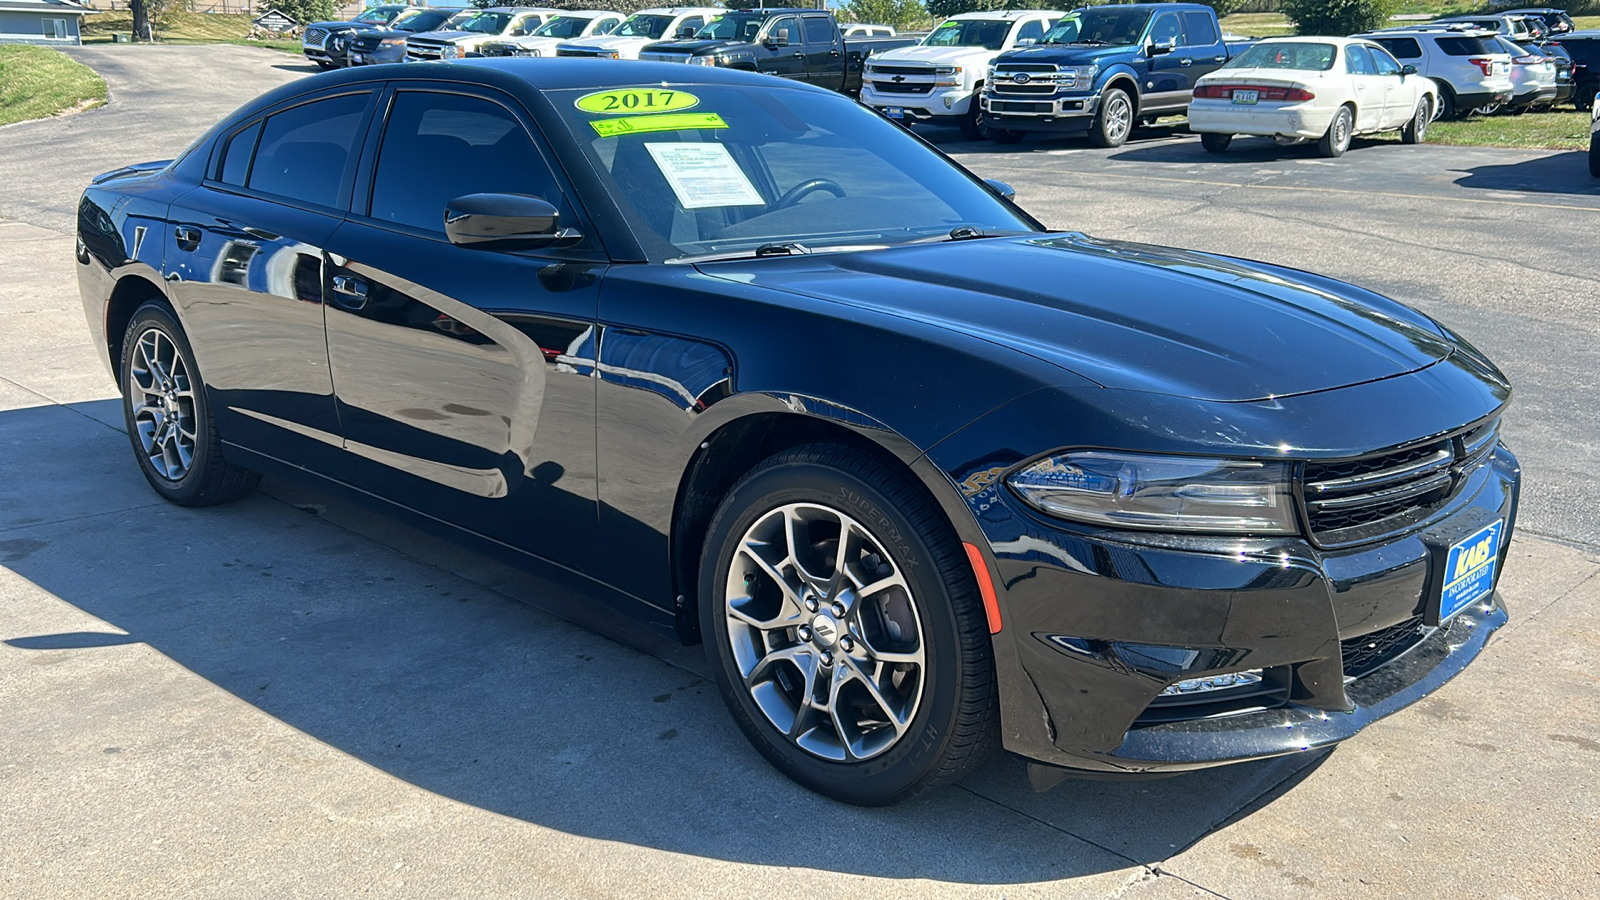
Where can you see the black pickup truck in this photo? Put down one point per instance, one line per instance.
(803, 44)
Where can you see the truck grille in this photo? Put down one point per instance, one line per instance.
(1023, 90)
(910, 87)
(1017, 106)
(1354, 500)
(498, 49)
(665, 57)
(1366, 654)
(563, 51)
(881, 69)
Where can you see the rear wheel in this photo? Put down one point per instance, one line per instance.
(169, 418)
(844, 628)
(1584, 98)
(1115, 121)
(1337, 139)
(1215, 143)
(1447, 104)
(1416, 130)
(1594, 154)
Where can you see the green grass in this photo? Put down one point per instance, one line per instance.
(1544, 130)
(36, 82)
(184, 28)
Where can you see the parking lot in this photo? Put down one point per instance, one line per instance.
(293, 696)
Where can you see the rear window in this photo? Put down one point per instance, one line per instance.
(1581, 50)
(1468, 46)
(303, 150)
(1285, 55)
(1402, 48)
(1198, 29)
(818, 30)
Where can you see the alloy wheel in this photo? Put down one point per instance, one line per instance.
(1119, 119)
(825, 632)
(161, 395)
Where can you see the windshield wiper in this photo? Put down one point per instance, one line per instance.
(776, 248)
(781, 248)
(965, 233)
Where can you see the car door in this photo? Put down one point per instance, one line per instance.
(245, 270)
(1202, 45)
(824, 52)
(787, 59)
(1168, 86)
(1400, 93)
(464, 375)
(1368, 89)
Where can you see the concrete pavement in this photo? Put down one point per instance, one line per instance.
(294, 696)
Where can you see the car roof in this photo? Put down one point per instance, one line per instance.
(1005, 14)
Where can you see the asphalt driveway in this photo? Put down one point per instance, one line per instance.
(296, 696)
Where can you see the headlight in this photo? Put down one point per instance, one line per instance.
(449, 51)
(392, 42)
(947, 76)
(1080, 74)
(612, 54)
(702, 60)
(988, 75)
(1172, 493)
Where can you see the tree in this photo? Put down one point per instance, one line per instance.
(902, 14)
(303, 11)
(1337, 18)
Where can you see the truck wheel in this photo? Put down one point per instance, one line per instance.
(1005, 135)
(1584, 98)
(1337, 139)
(1594, 155)
(972, 127)
(1215, 143)
(1115, 121)
(844, 628)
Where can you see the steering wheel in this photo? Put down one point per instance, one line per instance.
(805, 189)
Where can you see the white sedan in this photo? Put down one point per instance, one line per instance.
(1322, 89)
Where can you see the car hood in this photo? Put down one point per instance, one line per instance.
(1128, 316)
(450, 36)
(607, 42)
(1066, 54)
(935, 56)
(692, 47)
(533, 42)
(346, 26)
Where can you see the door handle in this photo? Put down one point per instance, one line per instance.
(1219, 59)
(799, 55)
(352, 292)
(1186, 61)
(188, 237)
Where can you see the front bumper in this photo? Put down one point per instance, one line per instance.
(379, 56)
(1299, 120)
(1069, 114)
(939, 103)
(1101, 622)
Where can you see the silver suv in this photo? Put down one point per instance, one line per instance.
(1469, 65)
(1515, 26)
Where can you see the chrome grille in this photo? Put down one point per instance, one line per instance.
(423, 50)
(1028, 90)
(1353, 500)
(880, 69)
(563, 51)
(910, 87)
(314, 37)
(665, 57)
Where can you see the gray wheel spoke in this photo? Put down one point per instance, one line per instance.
(897, 718)
(162, 404)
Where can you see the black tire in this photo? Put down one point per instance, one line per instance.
(1447, 104)
(325, 65)
(1416, 130)
(1215, 143)
(955, 723)
(972, 127)
(1337, 139)
(207, 478)
(1583, 99)
(1114, 122)
(1594, 154)
(1006, 136)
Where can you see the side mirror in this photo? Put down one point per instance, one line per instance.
(779, 38)
(504, 222)
(1026, 42)
(1160, 48)
(1408, 70)
(1006, 191)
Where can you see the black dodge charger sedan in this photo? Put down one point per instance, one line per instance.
(767, 372)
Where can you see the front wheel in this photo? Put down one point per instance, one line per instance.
(844, 627)
(169, 418)
(1416, 130)
(1215, 143)
(972, 127)
(1115, 121)
(1337, 140)
(1594, 155)
(1005, 135)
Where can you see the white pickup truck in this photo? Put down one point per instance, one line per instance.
(640, 29)
(580, 23)
(938, 81)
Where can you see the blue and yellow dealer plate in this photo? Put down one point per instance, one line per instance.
(1470, 568)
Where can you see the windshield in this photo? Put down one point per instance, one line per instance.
(1100, 25)
(729, 168)
(563, 27)
(420, 21)
(1285, 55)
(989, 34)
(380, 14)
(643, 26)
(485, 23)
(731, 28)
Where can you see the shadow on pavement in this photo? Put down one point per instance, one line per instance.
(950, 140)
(1252, 150)
(301, 608)
(1560, 173)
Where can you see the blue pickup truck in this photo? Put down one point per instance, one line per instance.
(1102, 69)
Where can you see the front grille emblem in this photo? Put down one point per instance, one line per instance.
(898, 78)
(1021, 78)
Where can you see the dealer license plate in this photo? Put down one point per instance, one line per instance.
(358, 58)
(1469, 569)
(894, 112)
(1248, 97)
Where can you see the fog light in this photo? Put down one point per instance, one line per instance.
(947, 103)
(1213, 683)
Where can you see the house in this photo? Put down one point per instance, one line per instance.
(41, 21)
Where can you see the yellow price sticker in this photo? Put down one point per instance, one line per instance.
(637, 100)
(674, 122)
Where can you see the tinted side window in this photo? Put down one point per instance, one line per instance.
(1034, 30)
(691, 25)
(437, 147)
(1467, 46)
(1402, 48)
(1198, 29)
(303, 150)
(1167, 29)
(1357, 61)
(1385, 63)
(818, 30)
(236, 158)
(787, 26)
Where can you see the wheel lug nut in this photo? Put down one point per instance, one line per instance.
(827, 658)
(811, 604)
(805, 632)
(838, 610)
(847, 643)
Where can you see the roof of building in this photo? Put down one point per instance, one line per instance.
(52, 7)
